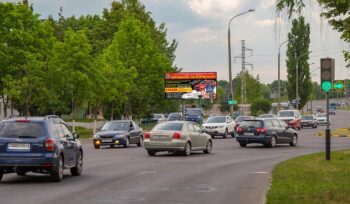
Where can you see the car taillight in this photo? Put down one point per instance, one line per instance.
(239, 130)
(50, 144)
(261, 130)
(177, 135)
(147, 135)
(23, 121)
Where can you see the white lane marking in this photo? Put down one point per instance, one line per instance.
(260, 172)
(146, 172)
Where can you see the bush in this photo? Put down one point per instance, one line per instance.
(260, 106)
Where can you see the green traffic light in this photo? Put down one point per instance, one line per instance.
(338, 85)
(230, 102)
(326, 86)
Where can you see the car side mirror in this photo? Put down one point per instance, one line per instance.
(76, 135)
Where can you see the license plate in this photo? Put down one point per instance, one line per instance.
(210, 130)
(161, 138)
(18, 146)
(107, 140)
(249, 134)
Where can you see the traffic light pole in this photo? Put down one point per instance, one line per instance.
(328, 133)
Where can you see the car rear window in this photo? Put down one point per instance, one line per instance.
(307, 117)
(286, 114)
(252, 123)
(22, 129)
(169, 126)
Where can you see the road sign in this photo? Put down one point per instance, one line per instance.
(338, 85)
(327, 74)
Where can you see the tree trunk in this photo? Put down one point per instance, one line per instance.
(5, 105)
(112, 110)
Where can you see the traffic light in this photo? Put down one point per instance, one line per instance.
(339, 85)
(230, 100)
(327, 74)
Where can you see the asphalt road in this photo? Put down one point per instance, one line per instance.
(230, 174)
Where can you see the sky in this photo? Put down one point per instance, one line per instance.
(200, 28)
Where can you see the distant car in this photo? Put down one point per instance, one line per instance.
(267, 116)
(159, 118)
(291, 118)
(268, 132)
(320, 109)
(220, 126)
(239, 119)
(119, 132)
(41, 145)
(174, 116)
(321, 119)
(177, 137)
(308, 121)
(332, 111)
(194, 115)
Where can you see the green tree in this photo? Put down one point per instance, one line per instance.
(253, 87)
(260, 105)
(298, 47)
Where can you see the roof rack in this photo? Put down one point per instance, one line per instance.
(51, 116)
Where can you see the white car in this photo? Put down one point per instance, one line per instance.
(159, 117)
(321, 119)
(220, 126)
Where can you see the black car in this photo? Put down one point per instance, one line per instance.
(119, 132)
(308, 121)
(41, 145)
(268, 132)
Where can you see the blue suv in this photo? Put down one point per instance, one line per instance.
(41, 145)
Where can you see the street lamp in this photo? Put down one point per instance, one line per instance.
(279, 74)
(229, 58)
(297, 78)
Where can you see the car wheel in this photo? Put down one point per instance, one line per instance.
(242, 144)
(97, 146)
(21, 173)
(226, 134)
(140, 144)
(127, 143)
(233, 135)
(209, 147)
(299, 128)
(76, 171)
(151, 153)
(58, 170)
(212, 136)
(273, 141)
(1, 175)
(187, 150)
(111, 146)
(294, 141)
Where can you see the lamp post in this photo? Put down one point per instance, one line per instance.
(297, 78)
(279, 75)
(229, 59)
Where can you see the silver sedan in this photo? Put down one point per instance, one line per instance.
(177, 137)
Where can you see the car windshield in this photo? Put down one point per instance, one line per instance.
(251, 123)
(168, 126)
(22, 129)
(157, 116)
(267, 116)
(321, 115)
(241, 118)
(286, 114)
(219, 119)
(174, 116)
(307, 117)
(116, 126)
(193, 112)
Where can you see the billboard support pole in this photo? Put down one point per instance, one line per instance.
(183, 109)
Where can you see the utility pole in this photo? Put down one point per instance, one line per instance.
(243, 72)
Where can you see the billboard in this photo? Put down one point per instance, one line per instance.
(190, 85)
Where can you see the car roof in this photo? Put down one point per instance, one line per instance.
(33, 118)
(120, 121)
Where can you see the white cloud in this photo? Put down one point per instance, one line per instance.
(266, 4)
(210, 8)
(203, 35)
(269, 22)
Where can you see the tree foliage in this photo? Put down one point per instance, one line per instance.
(260, 105)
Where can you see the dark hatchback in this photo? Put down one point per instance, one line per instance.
(308, 121)
(41, 145)
(268, 132)
(119, 132)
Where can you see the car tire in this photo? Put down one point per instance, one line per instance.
(212, 136)
(76, 171)
(127, 142)
(97, 146)
(151, 153)
(21, 173)
(111, 146)
(226, 134)
(187, 149)
(294, 141)
(57, 175)
(140, 143)
(299, 128)
(272, 141)
(208, 147)
(242, 144)
(233, 134)
(1, 175)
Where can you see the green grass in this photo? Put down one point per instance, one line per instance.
(148, 126)
(84, 120)
(312, 180)
(84, 133)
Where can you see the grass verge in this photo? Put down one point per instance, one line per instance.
(84, 133)
(84, 120)
(148, 126)
(312, 180)
(339, 132)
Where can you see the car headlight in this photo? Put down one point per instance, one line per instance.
(96, 136)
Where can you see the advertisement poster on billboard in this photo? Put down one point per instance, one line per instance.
(191, 85)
